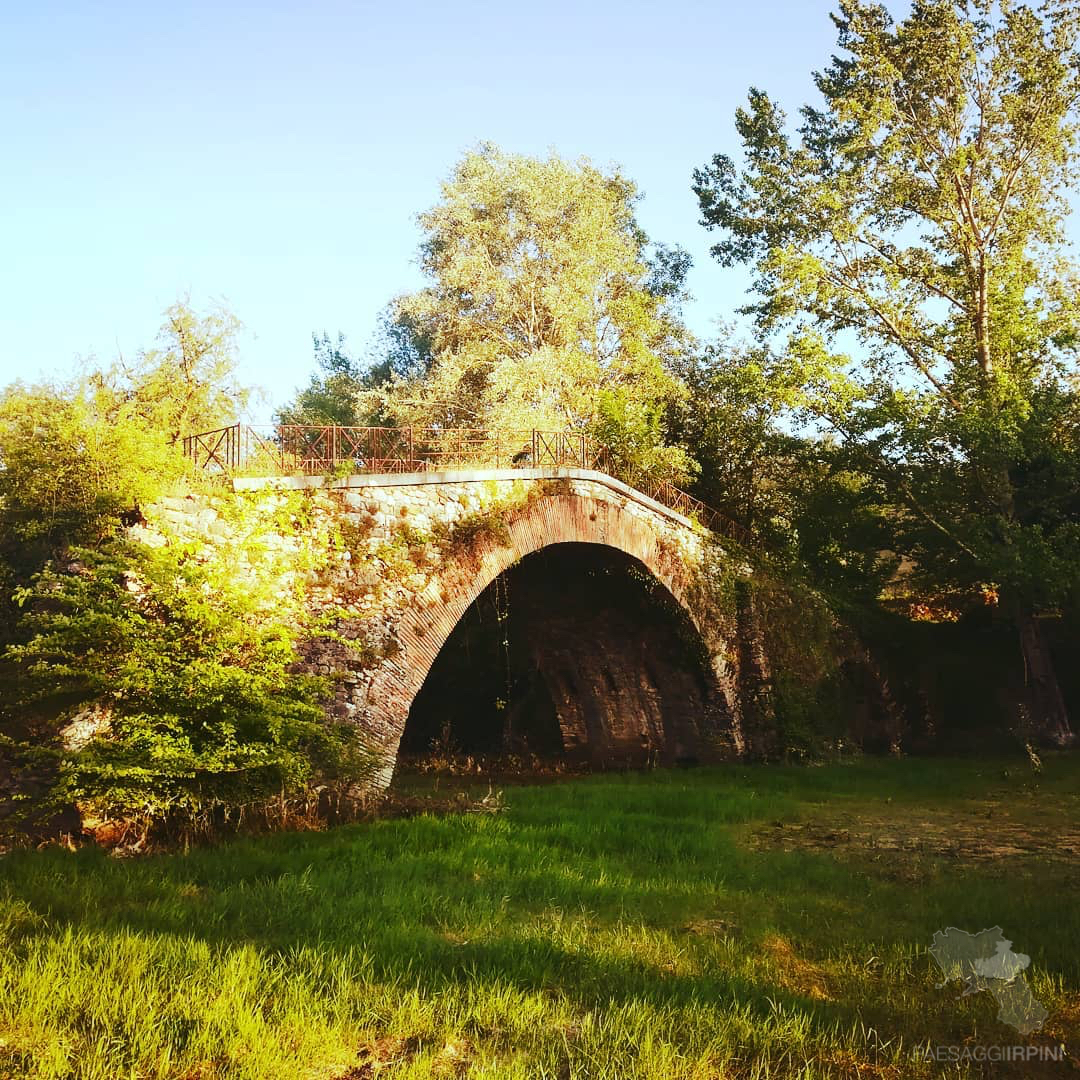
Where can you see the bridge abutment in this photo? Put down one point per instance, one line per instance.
(375, 572)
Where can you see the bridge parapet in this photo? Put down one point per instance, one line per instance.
(244, 451)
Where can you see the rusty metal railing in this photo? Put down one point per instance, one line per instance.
(317, 450)
(321, 450)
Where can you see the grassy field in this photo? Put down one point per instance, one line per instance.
(742, 922)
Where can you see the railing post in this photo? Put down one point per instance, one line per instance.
(535, 458)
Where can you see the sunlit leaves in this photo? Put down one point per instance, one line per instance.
(545, 301)
(192, 666)
(187, 382)
(73, 457)
(912, 221)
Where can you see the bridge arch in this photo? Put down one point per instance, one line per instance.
(641, 532)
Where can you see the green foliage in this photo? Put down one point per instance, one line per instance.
(487, 524)
(74, 459)
(342, 391)
(187, 383)
(190, 666)
(632, 427)
(182, 658)
(330, 396)
(809, 502)
(802, 647)
(916, 218)
(907, 255)
(728, 422)
(542, 294)
(842, 526)
(76, 456)
(728, 922)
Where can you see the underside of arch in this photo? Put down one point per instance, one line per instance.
(423, 629)
(577, 654)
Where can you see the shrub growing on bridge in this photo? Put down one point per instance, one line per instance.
(198, 715)
(195, 712)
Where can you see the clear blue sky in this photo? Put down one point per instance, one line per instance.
(275, 155)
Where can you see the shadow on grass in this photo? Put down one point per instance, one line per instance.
(590, 890)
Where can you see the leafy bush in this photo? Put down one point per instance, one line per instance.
(632, 427)
(192, 673)
(148, 684)
(74, 460)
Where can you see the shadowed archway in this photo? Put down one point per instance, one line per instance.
(552, 519)
(577, 653)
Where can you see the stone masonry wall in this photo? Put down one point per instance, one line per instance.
(378, 570)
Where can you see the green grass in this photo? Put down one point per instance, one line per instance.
(613, 926)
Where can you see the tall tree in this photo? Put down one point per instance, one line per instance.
(187, 382)
(806, 498)
(330, 395)
(547, 308)
(729, 423)
(908, 243)
(75, 456)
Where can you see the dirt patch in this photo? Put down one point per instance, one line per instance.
(978, 837)
(381, 1054)
(452, 1060)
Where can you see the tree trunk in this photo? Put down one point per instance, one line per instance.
(757, 712)
(982, 322)
(1048, 720)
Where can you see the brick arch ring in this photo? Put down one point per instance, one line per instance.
(636, 531)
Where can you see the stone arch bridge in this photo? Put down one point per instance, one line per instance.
(404, 555)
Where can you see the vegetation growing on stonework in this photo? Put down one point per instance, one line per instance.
(492, 521)
(803, 645)
(195, 715)
(900, 441)
(628, 701)
(149, 685)
(409, 547)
